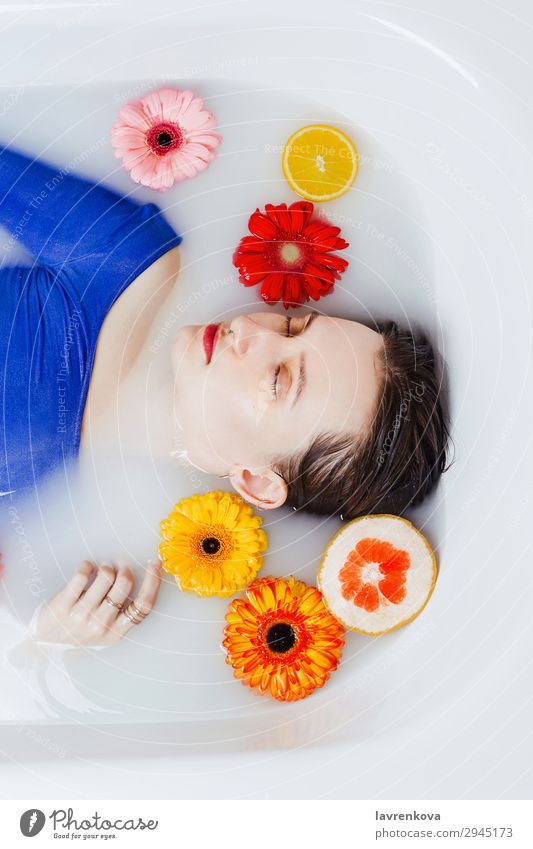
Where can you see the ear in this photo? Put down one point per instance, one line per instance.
(265, 490)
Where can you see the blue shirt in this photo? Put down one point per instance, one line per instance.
(88, 245)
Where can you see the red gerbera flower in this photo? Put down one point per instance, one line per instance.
(290, 254)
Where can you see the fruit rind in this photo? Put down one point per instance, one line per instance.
(324, 558)
(319, 198)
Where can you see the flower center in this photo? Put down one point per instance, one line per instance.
(280, 637)
(164, 137)
(210, 545)
(290, 253)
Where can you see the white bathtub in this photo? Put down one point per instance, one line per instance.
(440, 224)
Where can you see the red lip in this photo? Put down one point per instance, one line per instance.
(210, 338)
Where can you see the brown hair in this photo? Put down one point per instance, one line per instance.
(398, 460)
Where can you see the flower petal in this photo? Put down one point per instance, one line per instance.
(133, 114)
(272, 288)
(263, 226)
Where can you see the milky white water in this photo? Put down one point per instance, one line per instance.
(171, 667)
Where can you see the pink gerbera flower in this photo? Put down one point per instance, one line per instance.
(164, 137)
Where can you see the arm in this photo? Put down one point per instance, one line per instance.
(37, 682)
(56, 215)
(77, 226)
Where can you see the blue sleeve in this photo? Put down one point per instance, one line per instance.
(99, 239)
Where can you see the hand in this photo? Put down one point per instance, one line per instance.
(78, 615)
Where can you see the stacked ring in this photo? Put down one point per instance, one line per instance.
(133, 613)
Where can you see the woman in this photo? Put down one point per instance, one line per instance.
(321, 413)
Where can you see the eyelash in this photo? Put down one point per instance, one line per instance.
(288, 326)
(274, 383)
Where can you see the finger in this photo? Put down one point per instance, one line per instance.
(99, 588)
(121, 561)
(119, 593)
(79, 582)
(146, 597)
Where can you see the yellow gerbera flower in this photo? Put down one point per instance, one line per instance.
(282, 639)
(212, 544)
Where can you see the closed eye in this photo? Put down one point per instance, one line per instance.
(300, 378)
(274, 382)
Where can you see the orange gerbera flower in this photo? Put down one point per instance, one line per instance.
(281, 639)
(374, 566)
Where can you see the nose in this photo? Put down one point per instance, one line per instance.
(250, 337)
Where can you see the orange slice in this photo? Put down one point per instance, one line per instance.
(377, 574)
(320, 162)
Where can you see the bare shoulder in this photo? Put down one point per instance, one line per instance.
(127, 325)
(132, 314)
(154, 283)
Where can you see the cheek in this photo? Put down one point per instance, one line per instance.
(210, 410)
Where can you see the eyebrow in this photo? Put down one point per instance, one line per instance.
(302, 373)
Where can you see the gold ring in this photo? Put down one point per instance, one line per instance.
(137, 611)
(133, 613)
(113, 603)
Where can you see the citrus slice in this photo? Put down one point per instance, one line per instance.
(320, 162)
(377, 574)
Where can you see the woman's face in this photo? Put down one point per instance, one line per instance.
(271, 386)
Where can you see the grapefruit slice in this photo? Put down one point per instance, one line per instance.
(377, 573)
(320, 162)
